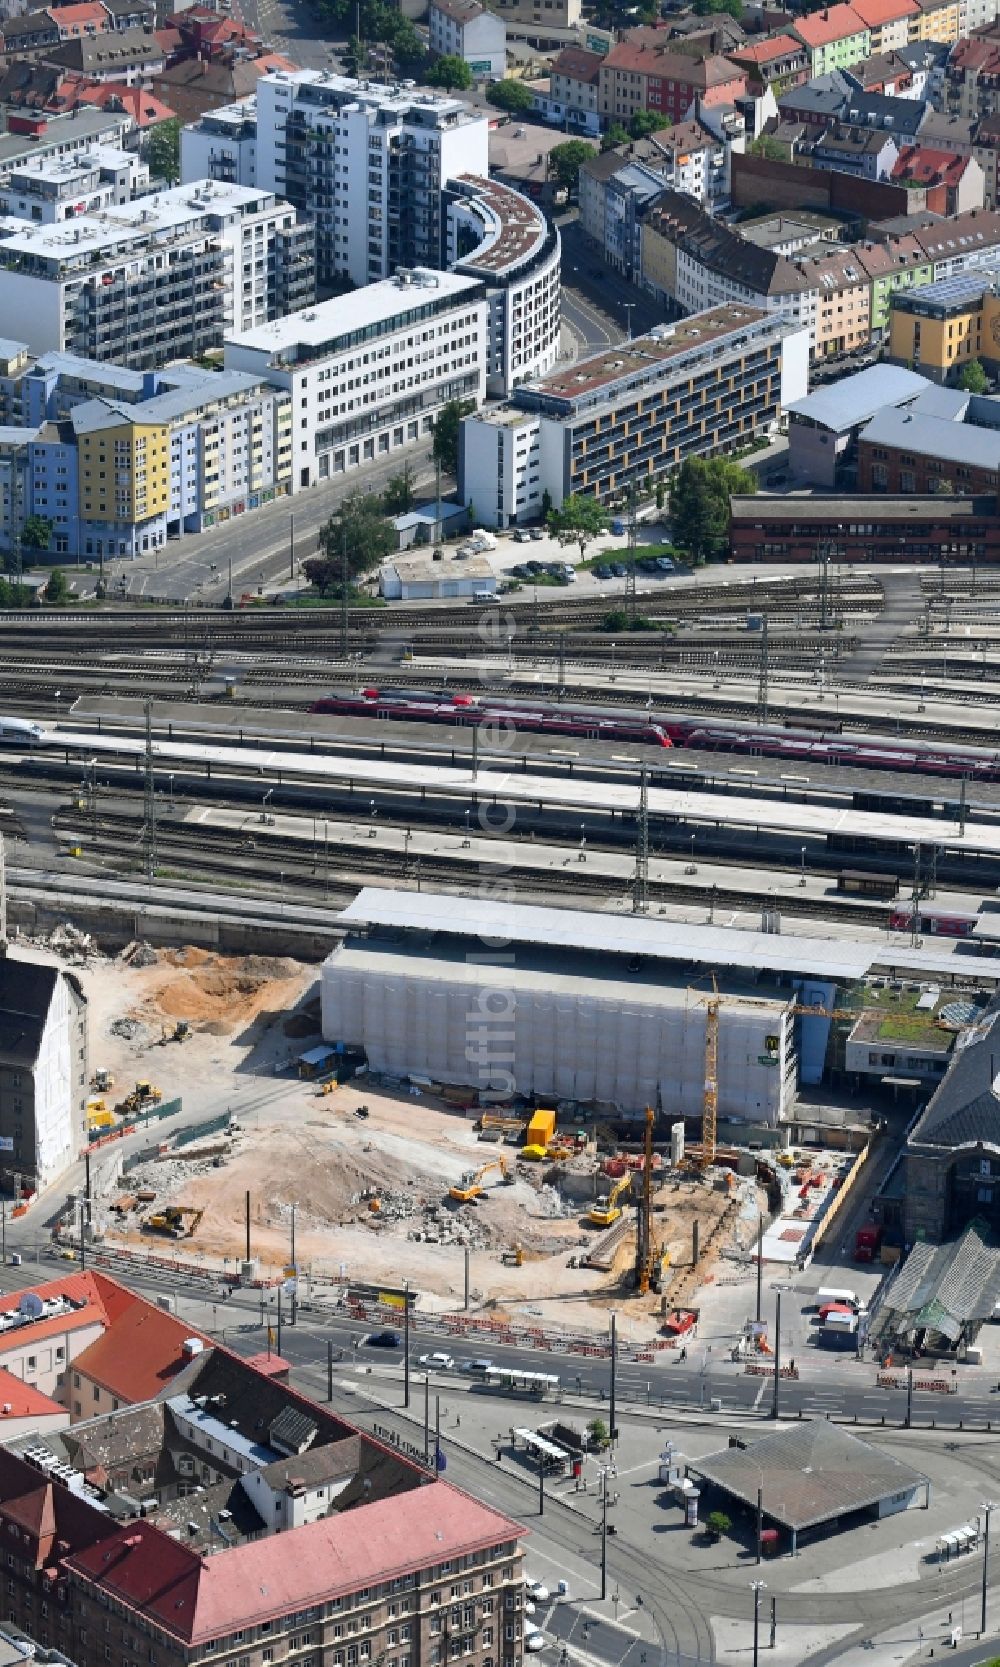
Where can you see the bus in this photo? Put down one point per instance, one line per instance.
(535, 1386)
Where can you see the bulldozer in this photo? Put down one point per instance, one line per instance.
(604, 1212)
(472, 1187)
(142, 1095)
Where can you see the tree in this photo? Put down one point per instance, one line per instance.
(973, 378)
(407, 43)
(706, 8)
(446, 426)
(767, 146)
(163, 151)
(645, 122)
(566, 160)
(598, 1432)
(699, 503)
(357, 532)
(57, 590)
(717, 1523)
(578, 520)
(397, 498)
(36, 532)
(614, 136)
(450, 72)
(510, 95)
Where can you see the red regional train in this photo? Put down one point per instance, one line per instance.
(804, 746)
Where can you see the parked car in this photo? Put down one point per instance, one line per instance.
(533, 1642)
(521, 571)
(536, 532)
(666, 565)
(537, 1591)
(383, 1340)
(521, 535)
(619, 569)
(535, 566)
(601, 571)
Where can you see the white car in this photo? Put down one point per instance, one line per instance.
(537, 1591)
(534, 1641)
(529, 1608)
(437, 1362)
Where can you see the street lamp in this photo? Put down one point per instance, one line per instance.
(607, 1471)
(263, 808)
(756, 1586)
(802, 876)
(988, 1505)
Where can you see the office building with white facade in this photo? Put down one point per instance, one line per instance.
(468, 30)
(159, 278)
(632, 414)
(503, 238)
(367, 163)
(369, 371)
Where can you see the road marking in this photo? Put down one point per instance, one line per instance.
(606, 1620)
(760, 1393)
(581, 1579)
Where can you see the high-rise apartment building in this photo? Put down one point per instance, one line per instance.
(159, 278)
(366, 162)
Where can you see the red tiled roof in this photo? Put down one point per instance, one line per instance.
(144, 108)
(23, 1400)
(834, 23)
(80, 15)
(197, 1598)
(139, 1353)
(877, 12)
(645, 59)
(762, 52)
(930, 167)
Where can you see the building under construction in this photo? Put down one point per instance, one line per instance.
(616, 1012)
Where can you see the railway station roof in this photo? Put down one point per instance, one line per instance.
(809, 1474)
(609, 934)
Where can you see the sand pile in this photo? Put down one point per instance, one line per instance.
(219, 992)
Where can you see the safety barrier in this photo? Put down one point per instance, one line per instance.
(764, 1369)
(169, 1108)
(937, 1386)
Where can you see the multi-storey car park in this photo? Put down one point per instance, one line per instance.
(159, 278)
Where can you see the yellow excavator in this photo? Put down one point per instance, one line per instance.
(605, 1211)
(472, 1184)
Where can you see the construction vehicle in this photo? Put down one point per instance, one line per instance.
(142, 1095)
(102, 1080)
(173, 1220)
(644, 1254)
(98, 1115)
(502, 1123)
(514, 1257)
(472, 1187)
(180, 1033)
(606, 1211)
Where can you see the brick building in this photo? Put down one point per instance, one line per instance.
(648, 73)
(914, 450)
(234, 1521)
(953, 531)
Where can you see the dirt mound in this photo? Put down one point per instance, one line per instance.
(221, 991)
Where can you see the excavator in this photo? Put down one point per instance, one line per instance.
(472, 1184)
(605, 1211)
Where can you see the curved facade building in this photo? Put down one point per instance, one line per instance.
(501, 237)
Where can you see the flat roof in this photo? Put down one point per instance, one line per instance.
(606, 934)
(143, 217)
(846, 509)
(515, 227)
(629, 359)
(952, 442)
(855, 399)
(331, 321)
(808, 1474)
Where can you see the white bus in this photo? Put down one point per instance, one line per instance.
(534, 1385)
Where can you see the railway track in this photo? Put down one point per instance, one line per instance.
(320, 867)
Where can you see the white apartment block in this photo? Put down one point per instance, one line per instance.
(368, 372)
(222, 145)
(50, 189)
(367, 163)
(467, 30)
(517, 257)
(159, 278)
